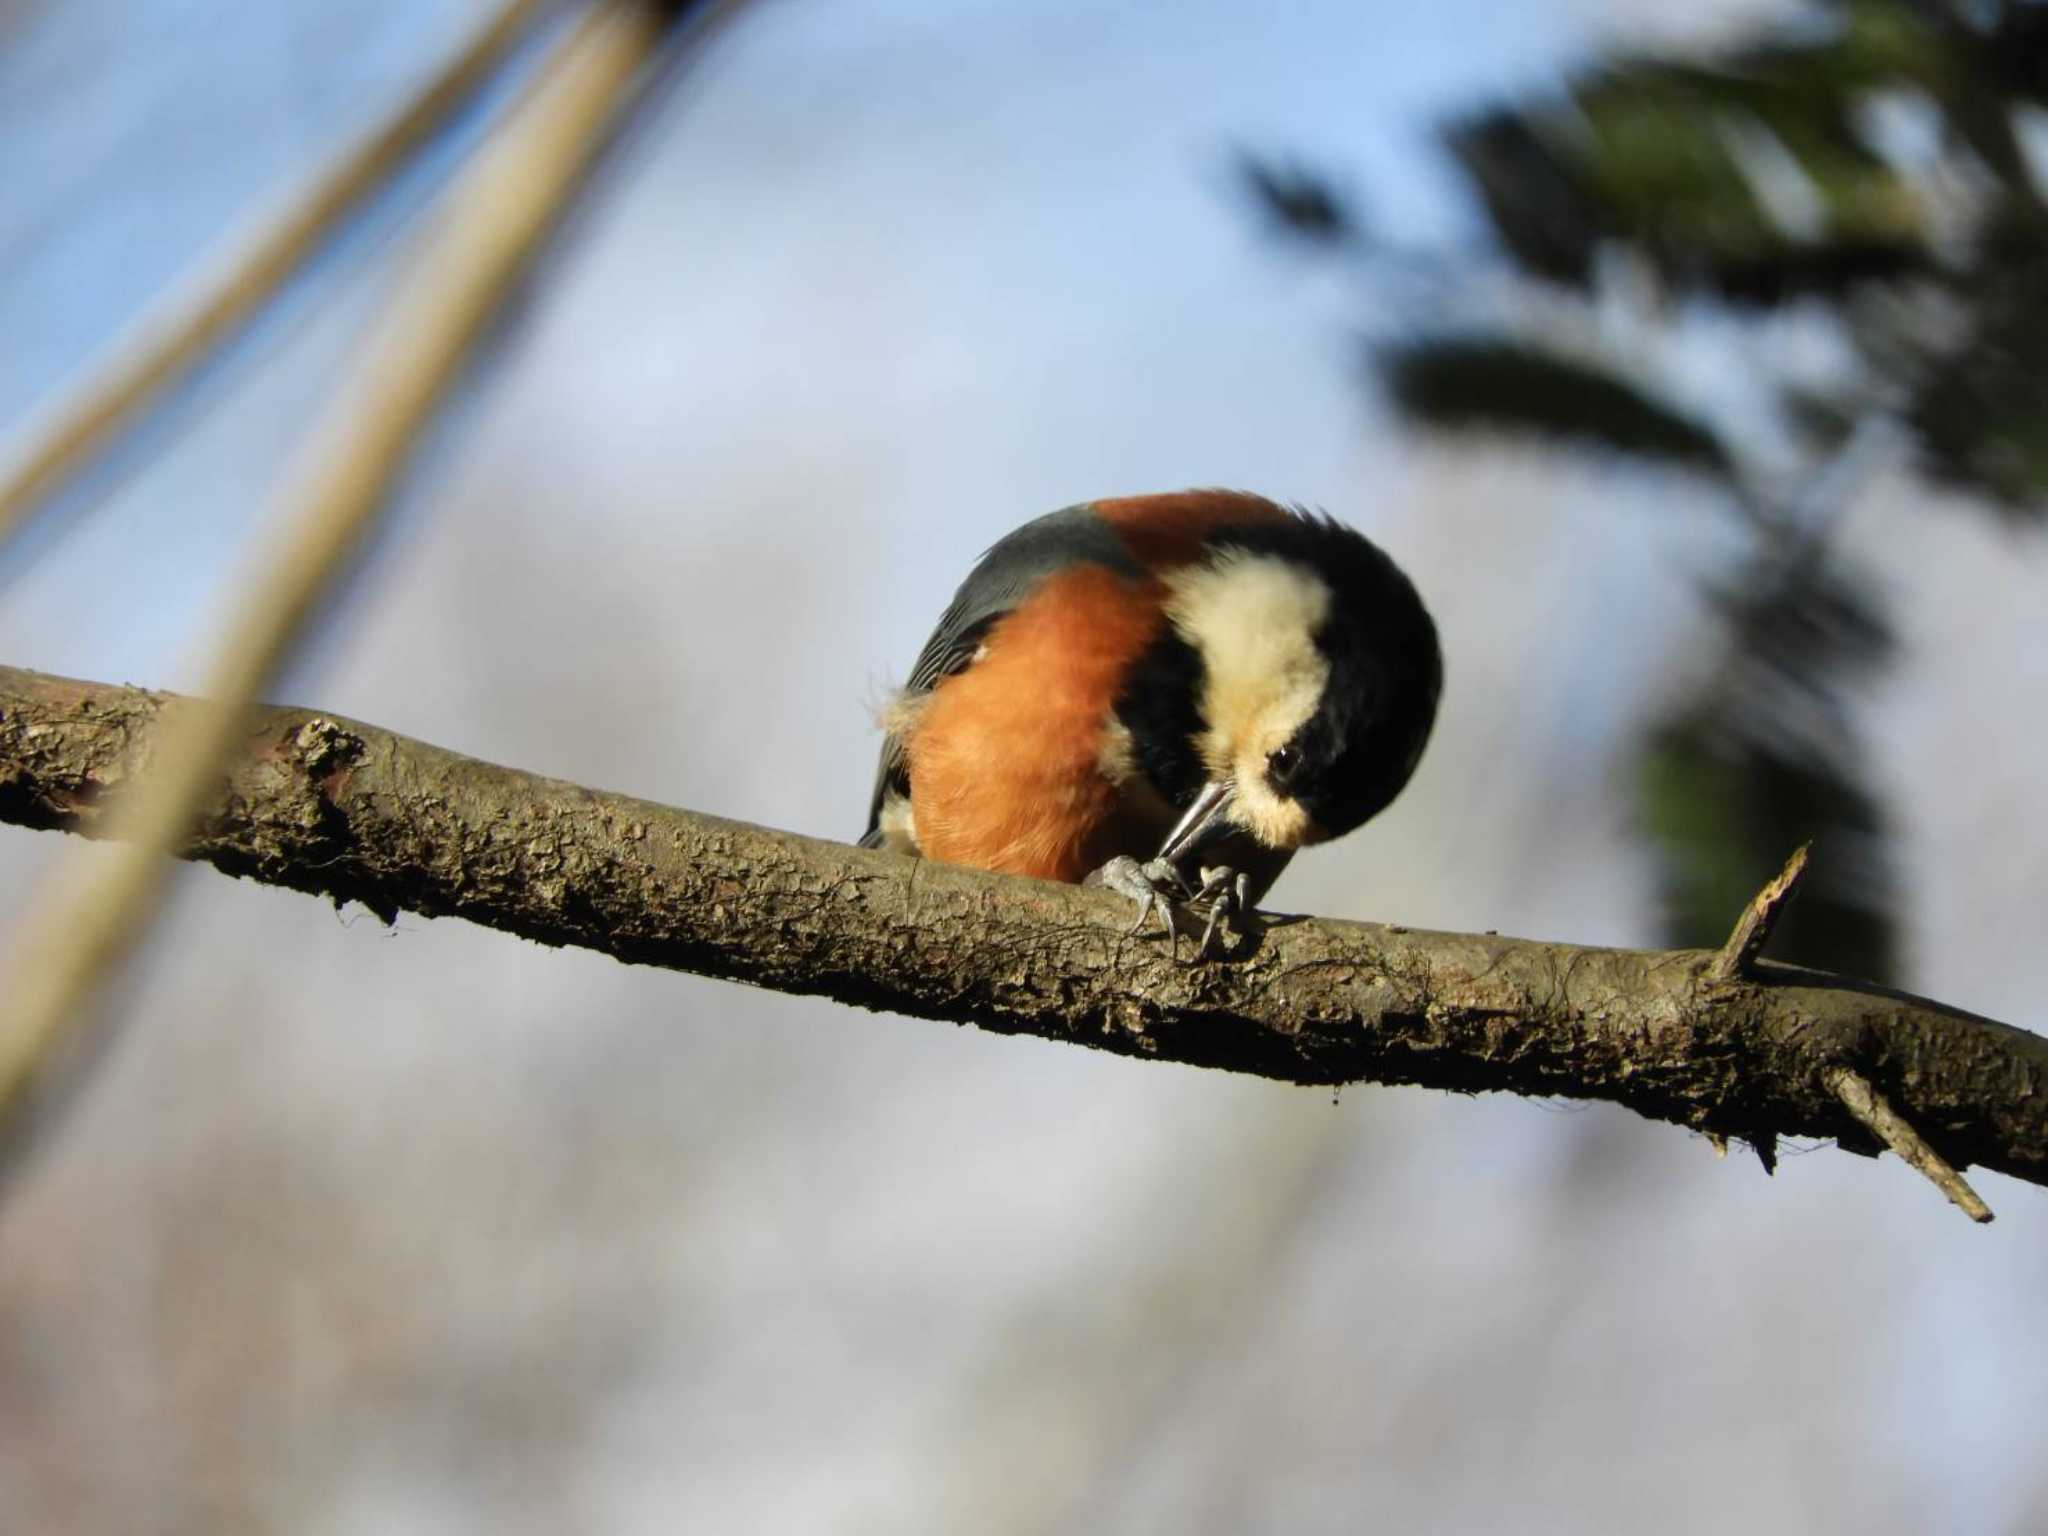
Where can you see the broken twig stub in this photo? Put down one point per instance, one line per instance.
(1737, 957)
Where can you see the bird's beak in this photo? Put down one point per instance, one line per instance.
(1207, 820)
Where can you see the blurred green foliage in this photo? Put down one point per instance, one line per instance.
(1869, 163)
(1517, 385)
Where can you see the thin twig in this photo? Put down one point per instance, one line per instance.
(1870, 1108)
(207, 306)
(511, 197)
(1737, 957)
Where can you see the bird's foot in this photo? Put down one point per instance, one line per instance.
(1160, 886)
(1229, 895)
(1157, 886)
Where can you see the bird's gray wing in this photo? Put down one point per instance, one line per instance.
(1001, 579)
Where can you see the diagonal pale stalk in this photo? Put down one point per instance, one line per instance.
(78, 930)
(201, 313)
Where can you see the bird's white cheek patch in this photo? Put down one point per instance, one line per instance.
(1253, 621)
(1273, 821)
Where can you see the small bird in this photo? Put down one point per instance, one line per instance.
(1167, 695)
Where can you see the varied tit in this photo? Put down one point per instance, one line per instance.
(1169, 693)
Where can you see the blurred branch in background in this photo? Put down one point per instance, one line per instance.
(165, 346)
(77, 932)
(1698, 1039)
(1867, 173)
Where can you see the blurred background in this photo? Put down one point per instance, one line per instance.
(1701, 404)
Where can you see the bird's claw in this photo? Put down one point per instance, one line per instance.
(1228, 892)
(1156, 886)
(1160, 886)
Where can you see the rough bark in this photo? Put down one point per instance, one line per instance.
(354, 813)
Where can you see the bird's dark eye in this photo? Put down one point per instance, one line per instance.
(1281, 763)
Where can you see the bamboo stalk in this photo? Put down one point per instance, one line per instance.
(209, 304)
(83, 926)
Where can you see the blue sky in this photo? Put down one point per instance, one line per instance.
(1025, 201)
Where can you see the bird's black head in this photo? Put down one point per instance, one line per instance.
(1294, 687)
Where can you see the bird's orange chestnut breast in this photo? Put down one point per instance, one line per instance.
(1013, 762)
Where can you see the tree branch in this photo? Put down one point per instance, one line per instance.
(354, 813)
